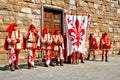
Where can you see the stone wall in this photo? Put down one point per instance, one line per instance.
(105, 16)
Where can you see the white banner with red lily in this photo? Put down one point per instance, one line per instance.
(76, 33)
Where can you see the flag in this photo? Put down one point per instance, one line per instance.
(75, 33)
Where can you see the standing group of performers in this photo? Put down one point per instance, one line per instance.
(49, 43)
(104, 46)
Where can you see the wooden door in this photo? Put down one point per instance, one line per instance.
(52, 18)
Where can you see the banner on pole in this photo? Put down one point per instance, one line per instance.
(75, 33)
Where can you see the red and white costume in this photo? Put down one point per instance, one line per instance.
(92, 46)
(45, 46)
(31, 44)
(58, 45)
(13, 42)
(105, 45)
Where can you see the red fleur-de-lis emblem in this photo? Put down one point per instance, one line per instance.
(76, 32)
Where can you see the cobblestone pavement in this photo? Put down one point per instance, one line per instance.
(90, 70)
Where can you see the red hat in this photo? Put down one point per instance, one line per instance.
(55, 30)
(91, 36)
(44, 31)
(31, 26)
(104, 34)
(11, 27)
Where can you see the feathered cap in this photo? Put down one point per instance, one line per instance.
(45, 29)
(91, 35)
(55, 31)
(11, 27)
(31, 26)
(104, 34)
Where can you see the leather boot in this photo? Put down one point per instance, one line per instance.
(51, 64)
(102, 58)
(82, 60)
(16, 65)
(46, 65)
(88, 57)
(61, 62)
(106, 58)
(29, 65)
(69, 59)
(12, 66)
(57, 62)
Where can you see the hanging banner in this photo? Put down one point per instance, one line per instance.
(75, 33)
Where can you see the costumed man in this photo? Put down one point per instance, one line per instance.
(58, 46)
(92, 46)
(31, 44)
(105, 45)
(13, 42)
(46, 46)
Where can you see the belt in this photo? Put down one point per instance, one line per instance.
(30, 42)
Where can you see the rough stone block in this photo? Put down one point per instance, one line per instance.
(31, 16)
(118, 11)
(26, 10)
(118, 29)
(110, 29)
(43, 1)
(26, 21)
(3, 12)
(90, 5)
(19, 22)
(21, 15)
(36, 11)
(12, 2)
(38, 17)
(16, 8)
(36, 22)
(1, 21)
(32, 1)
(38, 1)
(96, 6)
(48, 1)
(82, 3)
(3, 28)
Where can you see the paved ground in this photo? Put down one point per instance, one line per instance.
(91, 70)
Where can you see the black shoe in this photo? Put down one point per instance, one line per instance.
(52, 65)
(82, 62)
(43, 60)
(61, 65)
(46, 65)
(12, 69)
(17, 67)
(106, 60)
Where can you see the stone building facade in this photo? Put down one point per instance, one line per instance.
(104, 16)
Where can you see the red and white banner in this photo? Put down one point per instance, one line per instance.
(75, 33)
(12, 56)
